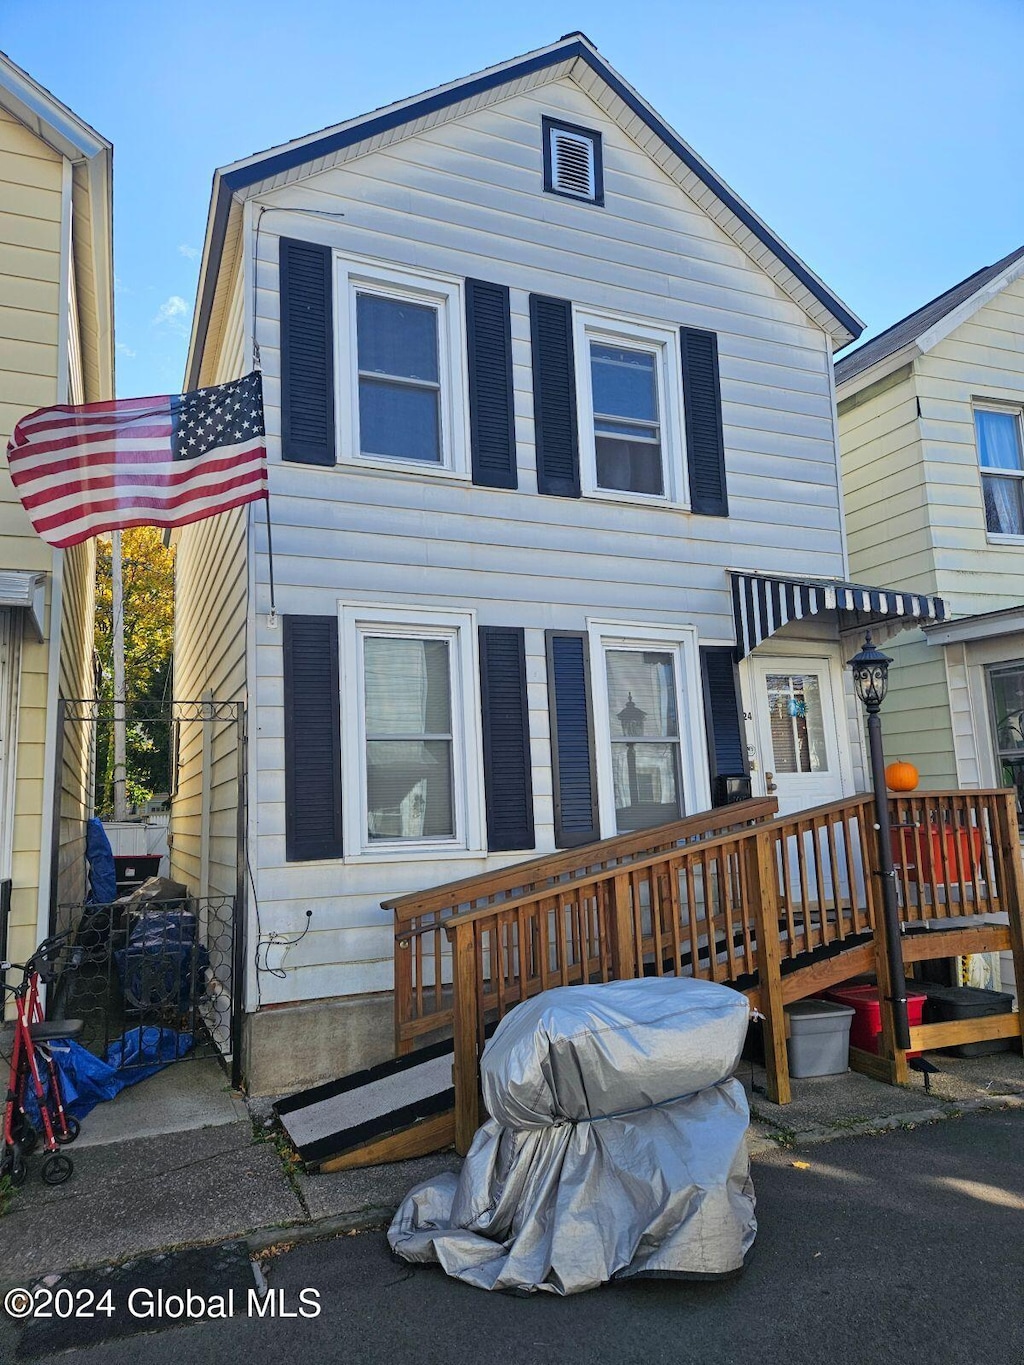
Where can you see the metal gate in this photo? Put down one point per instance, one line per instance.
(156, 973)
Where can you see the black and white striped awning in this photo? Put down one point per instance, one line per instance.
(763, 604)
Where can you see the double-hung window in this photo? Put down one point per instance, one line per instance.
(651, 762)
(410, 732)
(1006, 699)
(631, 428)
(400, 358)
(1001, 457)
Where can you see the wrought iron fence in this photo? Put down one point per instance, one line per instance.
(165, 965)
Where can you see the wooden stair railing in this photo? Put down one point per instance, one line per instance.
(423, 961)
(778, 908)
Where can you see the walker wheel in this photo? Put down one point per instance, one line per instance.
(56, 1169)
(73, 1129)
(26, 1136)
(14, 1168)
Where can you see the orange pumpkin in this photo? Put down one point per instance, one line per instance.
(901, 777)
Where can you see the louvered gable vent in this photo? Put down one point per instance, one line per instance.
(572, 162)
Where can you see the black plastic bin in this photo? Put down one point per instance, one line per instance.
(945, 1004)
(132, 869)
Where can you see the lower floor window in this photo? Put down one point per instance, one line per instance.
(643, 725)
(411, 760)
(408, 710)
(1006, 696)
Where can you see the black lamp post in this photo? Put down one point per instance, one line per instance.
(632, 719)
(871, 681)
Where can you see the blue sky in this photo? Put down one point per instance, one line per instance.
(880, 140)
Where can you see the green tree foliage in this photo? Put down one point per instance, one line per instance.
(148, 578)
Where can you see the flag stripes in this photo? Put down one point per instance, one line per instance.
(164, 461)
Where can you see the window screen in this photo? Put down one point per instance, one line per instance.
(643, 722)
(399, 379)
(408, 725)
(627, 430)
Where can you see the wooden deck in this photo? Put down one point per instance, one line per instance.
(780, 908)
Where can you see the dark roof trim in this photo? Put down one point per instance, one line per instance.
(276, 163)
(921, 320)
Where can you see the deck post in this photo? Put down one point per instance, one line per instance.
(465, 1064)
(764, 889)
(1013, 890)
(892, 1063)
(624, 952)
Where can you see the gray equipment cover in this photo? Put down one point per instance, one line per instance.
(616, 1145)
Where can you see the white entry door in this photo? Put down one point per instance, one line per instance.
(797, 705)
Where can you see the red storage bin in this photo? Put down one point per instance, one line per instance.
(867, 1013)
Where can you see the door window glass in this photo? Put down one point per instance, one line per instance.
(796, 723)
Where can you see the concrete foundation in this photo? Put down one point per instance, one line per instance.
(294, 1046)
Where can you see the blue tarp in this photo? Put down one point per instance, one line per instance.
(155, 967)
(86, 1080)
(100, 857)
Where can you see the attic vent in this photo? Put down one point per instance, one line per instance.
(572, 162)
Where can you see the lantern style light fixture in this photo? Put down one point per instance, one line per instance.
(631, 718)
(870, 675)
(871, 680)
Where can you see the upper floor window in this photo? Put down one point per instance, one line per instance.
(630, 407)
(1001, 456)
(572, 161)
(400, 358)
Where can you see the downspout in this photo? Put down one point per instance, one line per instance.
(49, 834)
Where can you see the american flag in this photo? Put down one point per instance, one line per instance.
(82, 470)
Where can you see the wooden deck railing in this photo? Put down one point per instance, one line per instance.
(423, 956)
(769, 906)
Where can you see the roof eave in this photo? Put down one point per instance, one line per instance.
(240, 175)
(881, 369)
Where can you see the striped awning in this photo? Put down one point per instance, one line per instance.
(763, 604)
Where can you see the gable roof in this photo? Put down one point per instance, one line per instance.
(916, 326)
(573, 55)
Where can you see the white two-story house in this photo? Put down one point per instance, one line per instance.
(556, 520)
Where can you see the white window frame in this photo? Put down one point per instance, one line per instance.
(356, 621)
(663, 340)
(1007, 409)
(682, 643)
(445, 294)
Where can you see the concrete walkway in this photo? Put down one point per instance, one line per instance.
(133, 1195)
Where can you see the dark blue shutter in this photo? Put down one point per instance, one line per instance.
(723, 715)
(312, 738)
(705, 442)
(491, 405)
(554, 397)
(572, 739)
(307, 353)
(508, 770)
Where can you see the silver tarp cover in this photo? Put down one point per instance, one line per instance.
(615, 1147)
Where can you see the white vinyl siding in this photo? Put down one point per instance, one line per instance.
(465, 199)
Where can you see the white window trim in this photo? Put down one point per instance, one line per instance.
(682, 643)
(443, 292)
(664, 341)
(993, 405)
(459, 627)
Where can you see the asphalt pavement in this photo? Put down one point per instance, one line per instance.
(901, 1247)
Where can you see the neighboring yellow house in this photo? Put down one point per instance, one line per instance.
(56, 346)
(931, 423)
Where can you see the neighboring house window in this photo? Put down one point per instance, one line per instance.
(400, 356)
(1006, 695)
(629, 380)
(648, 724)
(1001, 456)
(410, 733)
(573, 161)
